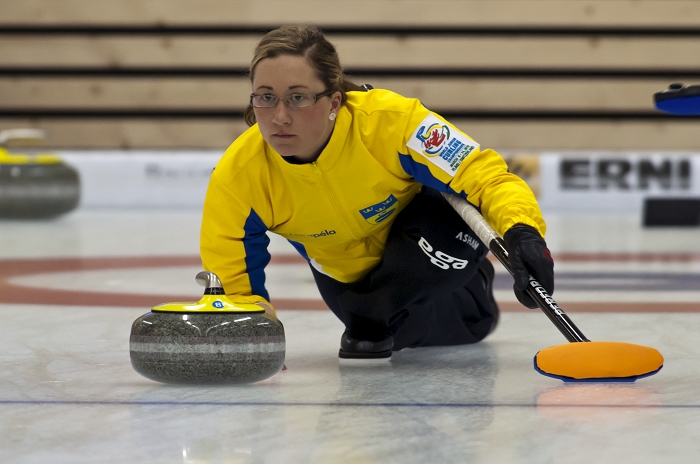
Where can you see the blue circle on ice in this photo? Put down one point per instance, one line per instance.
(217, 304)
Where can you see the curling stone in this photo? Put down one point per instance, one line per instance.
(212, 341)
(679, 99)
(40, 186)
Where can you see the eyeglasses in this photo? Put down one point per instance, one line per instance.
(295, 100)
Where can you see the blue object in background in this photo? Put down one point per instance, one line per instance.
(680, 100)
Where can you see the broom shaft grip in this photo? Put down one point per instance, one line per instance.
(495, 243)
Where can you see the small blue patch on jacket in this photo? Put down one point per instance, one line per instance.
(381, 211)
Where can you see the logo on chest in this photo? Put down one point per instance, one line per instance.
(323, 233)
(381, 211)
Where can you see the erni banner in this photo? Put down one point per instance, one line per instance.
(615, 182)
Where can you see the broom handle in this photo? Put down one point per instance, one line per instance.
(497, 246)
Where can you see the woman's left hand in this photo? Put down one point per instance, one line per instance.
(528, 255)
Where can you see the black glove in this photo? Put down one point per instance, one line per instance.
(528, 254)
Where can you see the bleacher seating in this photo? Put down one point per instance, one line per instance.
(515, 75)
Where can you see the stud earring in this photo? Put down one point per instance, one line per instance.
(331, 116)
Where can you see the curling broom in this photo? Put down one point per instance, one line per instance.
(581, 360)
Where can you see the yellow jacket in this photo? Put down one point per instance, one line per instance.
(337, 210)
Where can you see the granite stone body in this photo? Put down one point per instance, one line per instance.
(207, 348)
(38, 190)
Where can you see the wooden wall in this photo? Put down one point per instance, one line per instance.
(515, 75)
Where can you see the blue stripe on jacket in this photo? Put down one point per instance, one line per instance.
(421, 173)
(255, 242)
(300, 249)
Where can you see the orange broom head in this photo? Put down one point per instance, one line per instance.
(598, 362)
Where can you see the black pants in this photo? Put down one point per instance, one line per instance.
(426, 291)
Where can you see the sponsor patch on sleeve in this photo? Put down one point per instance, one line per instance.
(442, 144)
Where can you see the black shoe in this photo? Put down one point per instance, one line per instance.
(352, 348)
(488, 273)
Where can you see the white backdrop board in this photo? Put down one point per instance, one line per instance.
(142, 178)
(563, 181)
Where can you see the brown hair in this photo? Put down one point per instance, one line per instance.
(309, 42)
